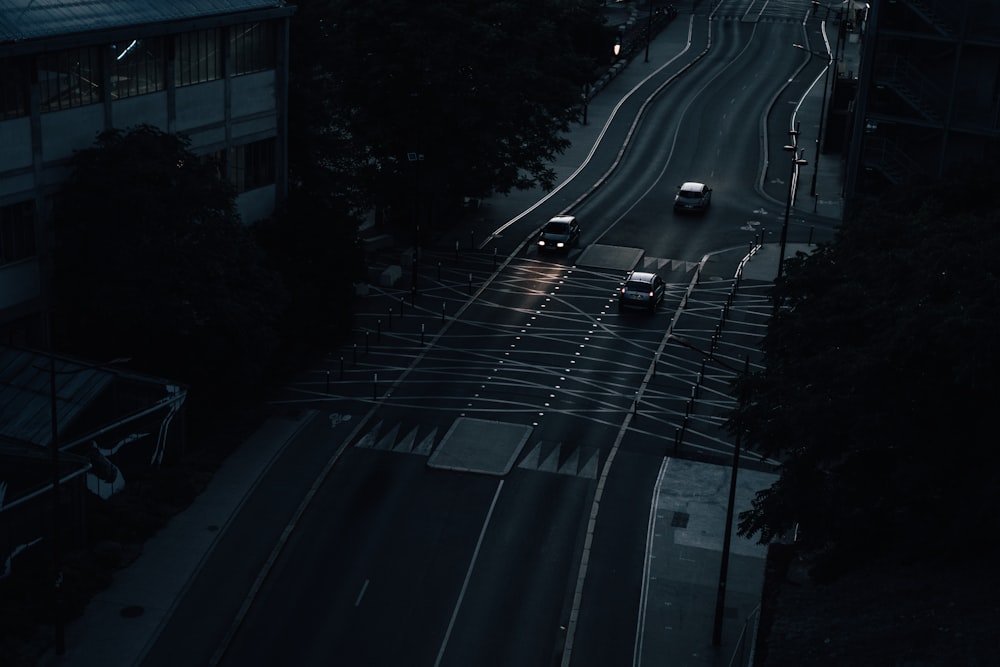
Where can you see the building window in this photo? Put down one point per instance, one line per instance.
(17, 231)
(252, 47)
(198, 57)
(13, 88)
(70, 78)
(252, 165)
(137, 67)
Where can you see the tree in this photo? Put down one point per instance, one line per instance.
(877, 392)
(313, 242)
(451, 98)
(153, 263)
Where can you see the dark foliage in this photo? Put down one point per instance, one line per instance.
(153, 264)
(314, 245)
(878, 388)
(445, 99)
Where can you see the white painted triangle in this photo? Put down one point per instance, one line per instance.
(530, 460)
(406, 444)
(388, 439)
(690, 266)
(572, 463)
(589, 468)
(551, 462)
(368, 439)
(427, 444)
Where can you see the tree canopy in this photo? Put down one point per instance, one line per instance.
(878, 388)
(153, 263)
(450, 98)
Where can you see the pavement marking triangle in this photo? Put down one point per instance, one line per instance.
(368, 439)
(531, 459)
(406, 444)
(427, 444)
(551, 462)
(388, 439)
(571, 464)
(589, 467)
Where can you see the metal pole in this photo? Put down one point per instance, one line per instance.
(819, 135)
(720, 598)
(57, 575)
(649, 29)
(784, 225)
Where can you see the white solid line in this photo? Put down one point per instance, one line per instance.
(468, 575)
(646, 576)
(362, 593)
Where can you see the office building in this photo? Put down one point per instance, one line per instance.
(214, 70)
(929, 91)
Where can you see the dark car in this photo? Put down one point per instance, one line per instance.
(559, 233)
(641, 290)
(692, 196)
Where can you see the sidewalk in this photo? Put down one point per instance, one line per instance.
(121, 624)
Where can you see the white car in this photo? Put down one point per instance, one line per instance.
(692, 196)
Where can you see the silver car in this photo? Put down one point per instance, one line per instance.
(641, 290)
(693, 196)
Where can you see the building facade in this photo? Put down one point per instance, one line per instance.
(929, 91)
(215, 71)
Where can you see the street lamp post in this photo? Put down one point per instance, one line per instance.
(649, 29)
(720, 596)
(822, 115)
(797, 161)
(58, 621)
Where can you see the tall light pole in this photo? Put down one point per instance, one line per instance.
(57, 575)
(797, 161)
(720, 595)
(649, 29)
(822, 112)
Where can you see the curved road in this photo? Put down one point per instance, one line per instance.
(449, 530)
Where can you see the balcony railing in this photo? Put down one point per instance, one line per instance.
(885, 156)
(918, 90)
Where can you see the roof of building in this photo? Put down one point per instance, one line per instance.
(30, 380)
(34, 19)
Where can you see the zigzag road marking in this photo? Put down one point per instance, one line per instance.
(657, 264)
(543, 456)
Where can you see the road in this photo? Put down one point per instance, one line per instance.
(472, 439)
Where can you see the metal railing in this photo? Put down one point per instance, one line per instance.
(920, 91)
(746, 644)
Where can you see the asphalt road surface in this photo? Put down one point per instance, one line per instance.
(468, 452)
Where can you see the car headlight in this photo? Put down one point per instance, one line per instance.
(560, 244)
